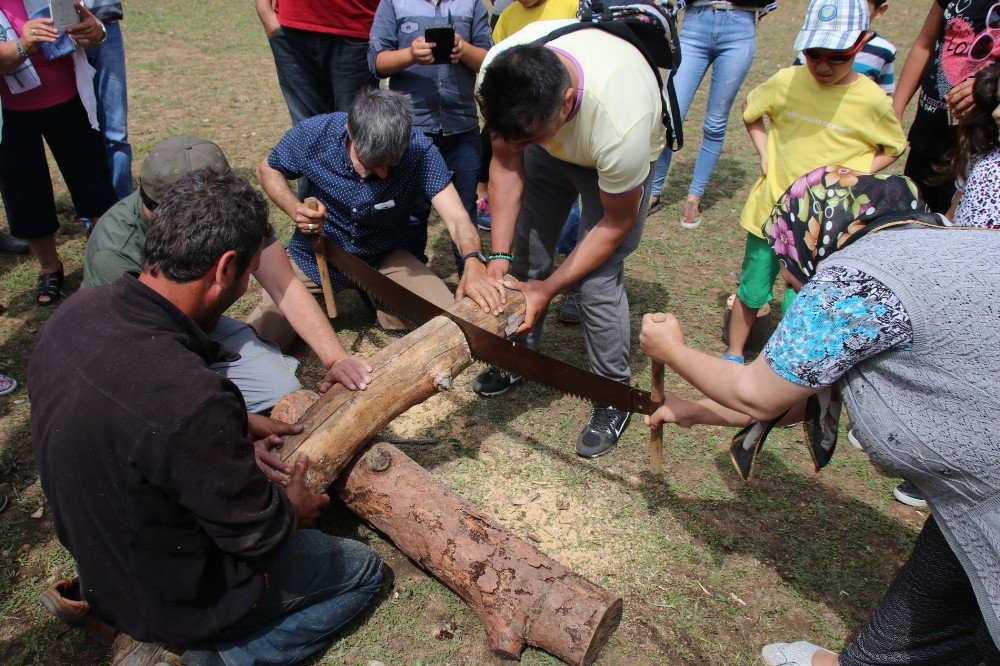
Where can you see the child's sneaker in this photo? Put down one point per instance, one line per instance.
(483, 213)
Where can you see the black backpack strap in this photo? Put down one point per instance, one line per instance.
(669, 107)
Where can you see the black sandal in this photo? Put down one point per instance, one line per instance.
(49, 286)
(654, 204)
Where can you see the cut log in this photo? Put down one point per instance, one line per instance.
(522, 596)
(126, 651)
(405, 373)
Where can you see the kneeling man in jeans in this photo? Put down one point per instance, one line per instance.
(147, 456)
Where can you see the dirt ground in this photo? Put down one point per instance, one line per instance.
(710, 568)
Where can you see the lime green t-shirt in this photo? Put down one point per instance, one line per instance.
(812, 125)
(517, 16)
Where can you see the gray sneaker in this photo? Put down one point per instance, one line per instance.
(569, 313)
(12, 245)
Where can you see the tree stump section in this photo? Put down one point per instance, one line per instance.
(405, 373)
(126, 651)
(522, 596)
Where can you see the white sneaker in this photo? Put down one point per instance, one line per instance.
(855, 442)
(799, 653)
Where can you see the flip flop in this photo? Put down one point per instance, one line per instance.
(689, 221)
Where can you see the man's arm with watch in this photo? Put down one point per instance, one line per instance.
(506, 187)
(486, 291)
(590, 253)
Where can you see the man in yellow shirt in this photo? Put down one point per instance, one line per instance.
(824, 113)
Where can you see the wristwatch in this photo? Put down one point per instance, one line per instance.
(477, 255)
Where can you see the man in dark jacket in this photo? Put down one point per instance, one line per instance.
(147, 457)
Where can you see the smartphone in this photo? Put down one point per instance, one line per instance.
(443, 37)
(63, 14)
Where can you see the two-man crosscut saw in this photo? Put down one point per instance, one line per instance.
(488, 347)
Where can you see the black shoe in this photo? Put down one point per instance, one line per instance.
(601, 433)
(909, 494)
(494, 381)
(569, 313)
(12, 245)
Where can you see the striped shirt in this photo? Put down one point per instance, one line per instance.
(106, 10)
(877, 61)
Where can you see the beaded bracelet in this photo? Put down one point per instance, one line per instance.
(501, 255)
(20, 51)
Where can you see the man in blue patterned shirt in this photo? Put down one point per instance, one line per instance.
(368, 168)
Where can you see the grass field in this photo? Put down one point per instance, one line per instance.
(710, 568)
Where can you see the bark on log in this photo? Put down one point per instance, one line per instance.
(522, 596)
(126, 651)
(405, 373)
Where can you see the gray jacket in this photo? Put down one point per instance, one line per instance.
(931, 413)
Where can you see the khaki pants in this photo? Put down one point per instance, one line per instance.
(399, 266)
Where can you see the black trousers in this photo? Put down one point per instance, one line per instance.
(25, 184)
(925, 171)
(928, 617)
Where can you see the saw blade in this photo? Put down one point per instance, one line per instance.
(489, 347)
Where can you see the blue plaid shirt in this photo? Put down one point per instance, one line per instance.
(443, 95)
(106, 10)
(368, 217)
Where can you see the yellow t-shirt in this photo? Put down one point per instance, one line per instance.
(616, 128)
(517, 16)
(812, 125)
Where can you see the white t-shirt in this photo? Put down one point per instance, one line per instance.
(616, 128)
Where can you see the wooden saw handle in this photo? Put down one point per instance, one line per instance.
(319, 246)
(656, 392)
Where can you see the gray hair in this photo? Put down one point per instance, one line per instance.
(379, 123)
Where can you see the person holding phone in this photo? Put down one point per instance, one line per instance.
(433, 53)
(52, 99)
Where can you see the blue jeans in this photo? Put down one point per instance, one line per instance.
(569, 236)
(316, 584)
(462, 153)
(319, 72)
(112, 106)
(726, 41)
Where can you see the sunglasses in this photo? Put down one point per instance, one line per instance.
(982, 46)
(835, 57)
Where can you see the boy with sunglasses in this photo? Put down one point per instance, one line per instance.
(823, 113)
(877, 58)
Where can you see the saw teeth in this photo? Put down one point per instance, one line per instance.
(379, 301)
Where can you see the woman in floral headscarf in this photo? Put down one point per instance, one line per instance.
(917, 361)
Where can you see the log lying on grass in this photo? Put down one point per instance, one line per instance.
(522, 596)
(405, 373)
